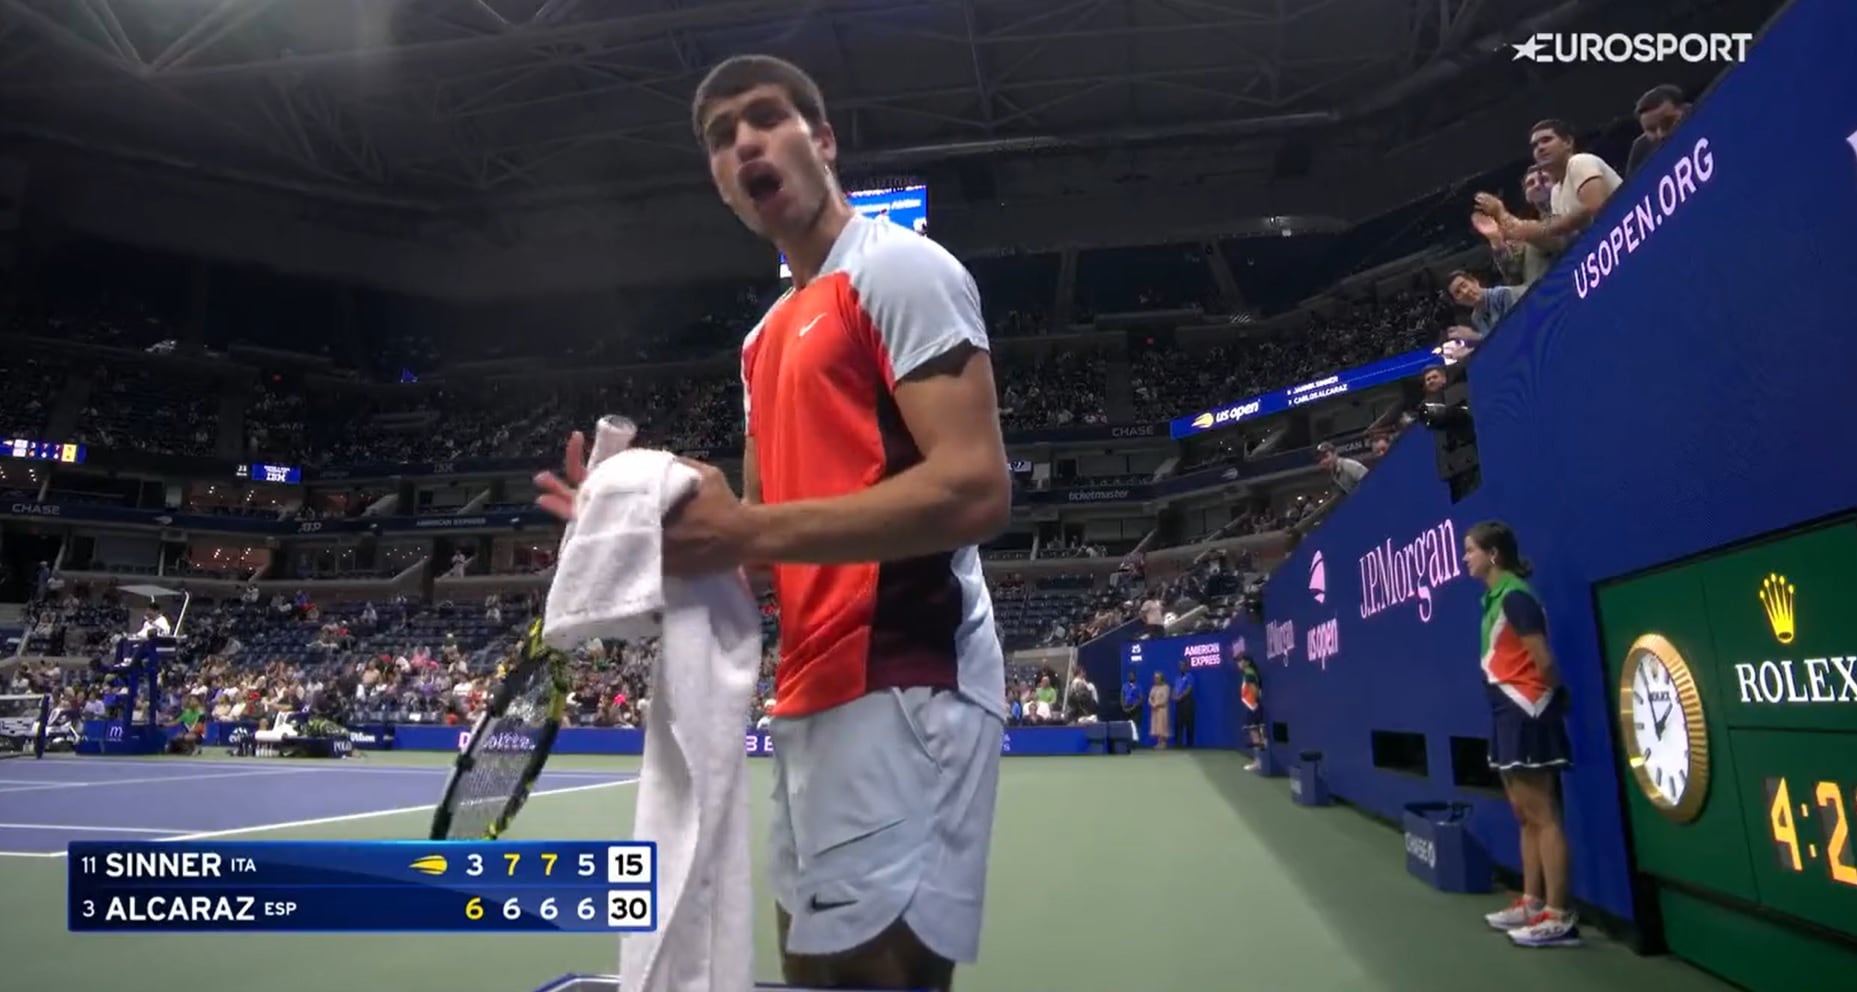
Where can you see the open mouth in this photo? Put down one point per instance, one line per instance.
(760, 181)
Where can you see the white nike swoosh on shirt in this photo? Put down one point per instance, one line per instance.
(808, 325)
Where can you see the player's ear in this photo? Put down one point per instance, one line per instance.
(827, 140)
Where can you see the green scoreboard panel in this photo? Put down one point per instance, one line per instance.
(1736, 707)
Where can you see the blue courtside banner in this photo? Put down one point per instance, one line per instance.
(1278, 400)
(1666, 389)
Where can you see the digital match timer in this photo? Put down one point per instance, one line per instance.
(364, 887)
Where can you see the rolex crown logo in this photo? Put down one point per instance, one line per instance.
(1777, 594)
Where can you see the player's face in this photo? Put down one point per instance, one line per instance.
(771, 166)
(1465, 292)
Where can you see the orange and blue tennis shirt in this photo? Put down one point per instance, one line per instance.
(1511, 612)
(819, 374)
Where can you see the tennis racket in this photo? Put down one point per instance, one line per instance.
(509, 744)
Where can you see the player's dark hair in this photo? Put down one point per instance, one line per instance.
(737, 75)
(1494, 538)
(1457, 274)
(1560, 128)
(1659, 95)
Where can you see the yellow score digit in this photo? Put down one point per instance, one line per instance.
(512, 857)
(1780, 820)
(474, 910)
(548, 864)
(1838, 844)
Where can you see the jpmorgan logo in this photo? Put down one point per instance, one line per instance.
(1393, 575)
(1279, 640)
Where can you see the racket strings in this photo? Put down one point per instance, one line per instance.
(498, 766)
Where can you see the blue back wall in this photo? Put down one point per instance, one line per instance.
(1681, 380)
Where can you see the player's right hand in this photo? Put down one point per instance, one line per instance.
(557, 491)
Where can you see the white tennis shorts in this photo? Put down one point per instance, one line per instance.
(883, 810)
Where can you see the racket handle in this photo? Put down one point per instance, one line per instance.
(614, 434)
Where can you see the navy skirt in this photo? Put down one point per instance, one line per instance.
(1519, 739)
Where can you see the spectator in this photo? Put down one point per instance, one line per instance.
(1154, 616)
(1582, 184)
(1487, 305)
(1659, 111)
(1347, 473)
(1080, 701)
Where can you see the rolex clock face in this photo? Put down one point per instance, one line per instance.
(1663, 729)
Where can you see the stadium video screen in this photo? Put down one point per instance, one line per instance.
(903, 205)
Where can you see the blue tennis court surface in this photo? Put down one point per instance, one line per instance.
(44, 805)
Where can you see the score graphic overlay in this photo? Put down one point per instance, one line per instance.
(363, 887)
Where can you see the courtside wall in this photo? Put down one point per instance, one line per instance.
(1680, 381)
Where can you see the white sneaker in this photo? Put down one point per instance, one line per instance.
(1518, 914)
(1548, 930)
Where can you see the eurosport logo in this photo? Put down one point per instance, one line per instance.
(1643, 47)
(1318, 579)
(1392, 576)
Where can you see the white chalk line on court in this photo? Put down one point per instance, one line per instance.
(263, 828)
(150, 780)
(342, 768)
(321, 820)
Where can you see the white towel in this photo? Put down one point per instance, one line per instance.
(693, 788)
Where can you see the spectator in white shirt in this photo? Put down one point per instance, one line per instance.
(1582, 184)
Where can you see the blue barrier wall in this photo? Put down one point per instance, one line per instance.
(1669, 387)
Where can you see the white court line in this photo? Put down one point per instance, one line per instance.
(372, 814)
(74, 828)
(153, 780)
(318, 821)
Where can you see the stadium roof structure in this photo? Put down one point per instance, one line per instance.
(445, 101)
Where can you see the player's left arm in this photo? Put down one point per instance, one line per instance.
(929, 338)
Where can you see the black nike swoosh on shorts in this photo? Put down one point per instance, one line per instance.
(820, 907)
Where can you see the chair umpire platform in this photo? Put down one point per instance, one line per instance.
(138, 662)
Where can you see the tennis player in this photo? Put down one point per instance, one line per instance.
(873, 467)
